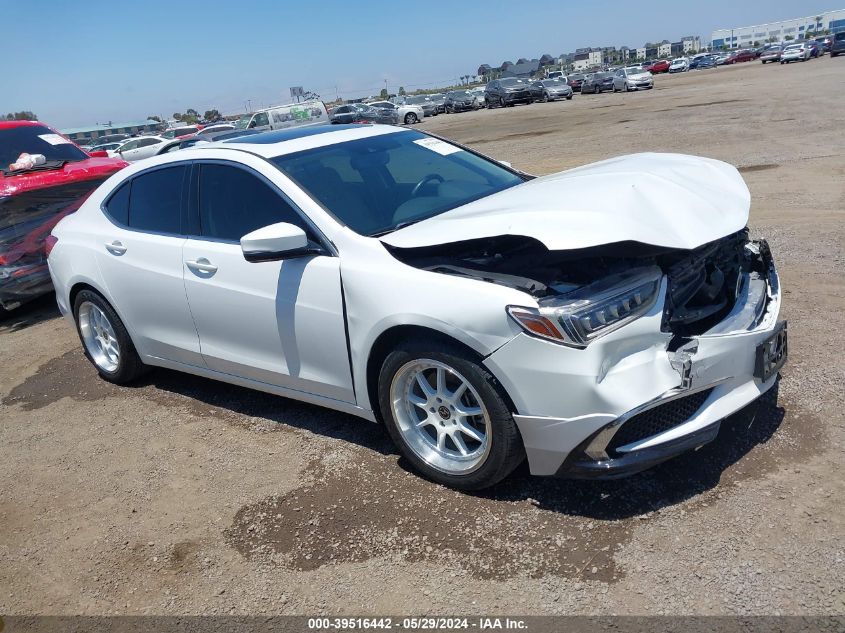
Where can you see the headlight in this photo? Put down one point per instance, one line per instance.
(579, 317)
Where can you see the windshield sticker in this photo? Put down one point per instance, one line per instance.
(436, 145)
(53, 139)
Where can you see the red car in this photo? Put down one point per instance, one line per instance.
(660, 66)
(32, 201)
(741, 56)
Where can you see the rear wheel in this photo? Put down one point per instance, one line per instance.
(105, 339)
(410, 118)
(447, 415)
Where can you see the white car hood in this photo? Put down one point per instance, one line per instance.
(669, 200)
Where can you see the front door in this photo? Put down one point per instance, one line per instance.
(278, 322)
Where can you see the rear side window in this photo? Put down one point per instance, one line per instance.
(155, 203)
(234, 202)
(117, 207)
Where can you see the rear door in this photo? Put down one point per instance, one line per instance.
(140, 258)
(278, 322)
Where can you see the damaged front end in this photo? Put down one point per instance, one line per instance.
(633, 353)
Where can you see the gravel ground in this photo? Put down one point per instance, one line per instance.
(181, 496)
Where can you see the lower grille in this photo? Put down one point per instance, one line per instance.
(658, 419)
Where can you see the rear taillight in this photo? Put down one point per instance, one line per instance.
(49, 242)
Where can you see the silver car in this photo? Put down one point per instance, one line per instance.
(632, 78)
(552, 89)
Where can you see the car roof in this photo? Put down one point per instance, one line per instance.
(11, 124)
(288, 141)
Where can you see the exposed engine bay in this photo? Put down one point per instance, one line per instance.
(703, 283)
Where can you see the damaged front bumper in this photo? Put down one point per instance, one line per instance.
(640, 395)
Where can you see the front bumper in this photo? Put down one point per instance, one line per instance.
(640, 85)
(572, 402)
(517, 97)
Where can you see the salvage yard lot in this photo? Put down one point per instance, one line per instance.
(182, 495)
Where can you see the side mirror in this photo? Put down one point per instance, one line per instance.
(275, 242)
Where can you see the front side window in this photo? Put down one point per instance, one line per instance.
(261, 119)
(155, 201)
(234, 202)
(375, 185)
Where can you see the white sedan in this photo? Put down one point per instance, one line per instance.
(407, 113)
(795, 53)
(679, 65)
(596, 321)
(142, 147)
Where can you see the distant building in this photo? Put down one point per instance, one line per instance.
(796, 28)
(641, 53)
(524, 70)
(89, 133)
(664, 49)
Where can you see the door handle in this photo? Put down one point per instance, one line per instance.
(115, 247)
(201, 265)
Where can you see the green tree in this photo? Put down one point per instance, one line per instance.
(401, 90)
(211, 115)
(383, 94)
(177, 116)
(154, 118)
(24, 115)
(789, 38)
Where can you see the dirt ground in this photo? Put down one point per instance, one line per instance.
(181, 495)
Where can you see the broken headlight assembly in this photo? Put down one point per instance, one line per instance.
(579, 317)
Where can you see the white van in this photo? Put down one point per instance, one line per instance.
(285, 116)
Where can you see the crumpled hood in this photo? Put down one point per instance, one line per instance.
(669, 200)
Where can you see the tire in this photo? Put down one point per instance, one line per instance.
(411, 118)
(569, 98)
(487, 462)
(92, 313)
(546, 98)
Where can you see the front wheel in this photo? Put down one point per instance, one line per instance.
(448, 415)
(105, 339)
(410, 118)
(569, 97)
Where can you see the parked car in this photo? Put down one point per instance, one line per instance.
(722, 59)
(141, 147)
(702, 62)
(679, 65)
(816, 49)
(575, 81)
(825, 41)
(507, 92)
(632, 78)
(109, 148)
(795, 53)
(660, 66)
(33, 200)
(550, 90)
(197, 139)
(743, 55)
(439, 100)
(407, 114)
(216, 127)
(429, 108)
(837, 46)
(771, 53)
(556, 74)
(181, 132)
(479, 94)
(280, 117)
(362, 113)
(106, 139)
(460, 101)
(597, 83)
(482, 316)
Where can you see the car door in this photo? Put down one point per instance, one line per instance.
(127, 149)
(277, 322)
(139, 254)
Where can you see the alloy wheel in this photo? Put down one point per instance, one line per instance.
(99, 337)
(440, 416)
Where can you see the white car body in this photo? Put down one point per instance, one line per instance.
(407, 113)
(679, 65)
(795, 53)
(632, 78)
(285, 116)
(138, 148)
(216, 127)
(308, 327)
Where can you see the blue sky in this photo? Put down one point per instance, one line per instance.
(81, 62)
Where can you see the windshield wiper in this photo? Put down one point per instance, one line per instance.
(401, 225)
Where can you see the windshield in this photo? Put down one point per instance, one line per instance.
(512, 81)
(553, 83)
(634, 70)
(415, 100)
(459, 94)
(243, 121)
(375, 185)
(36, 139)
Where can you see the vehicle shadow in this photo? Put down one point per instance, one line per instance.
(29, 314)
(667, 484)
(257, 404)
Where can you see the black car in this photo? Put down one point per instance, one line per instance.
(459, 101)
(597, 83)
(362, 113)
(700, 63)
(575, 81)
(507, 92)
(837, 46)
